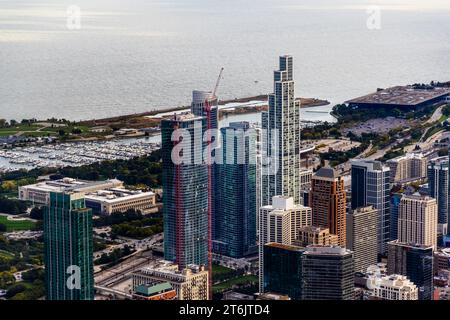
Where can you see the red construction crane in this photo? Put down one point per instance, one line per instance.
(210, 204)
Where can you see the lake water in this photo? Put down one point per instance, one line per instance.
(139, 55)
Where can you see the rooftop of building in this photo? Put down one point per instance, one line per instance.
(170, 268)
(411, 245)
(272, 296)
(444, 252)
(407, 156)
(71, 185)
(326, 172)
(284, 246)
(362, 210)
(313, 229)
(439, 161)
(410, 96)
(151, 289)
(417, 196)
(393, 280)
(114, 195)
(330, 250)
(370, 164)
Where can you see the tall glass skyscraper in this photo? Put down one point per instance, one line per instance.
(185, 187)
(281, 141)
(200, 102)
(371, 187)
(69, 268)
(236, 216)
(438, 186)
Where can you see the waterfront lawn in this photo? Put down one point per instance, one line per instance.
(20, 225)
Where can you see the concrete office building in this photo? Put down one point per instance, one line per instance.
(414, 261)
(280, 223)
(185, 187)
(328, 202)
(190, 283)
(362, 236)
(441, 260)
(392, 287)
(417, 220)
(438, 186)
(283, 270)
(311, 235)
(371, 187)
(39, 193)
(68, 248)
(109, 201)
(328, 273)
(281, 143)
(410, 167)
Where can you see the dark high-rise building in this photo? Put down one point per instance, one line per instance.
(438, 187)
(371, 187)
(185, 190)
(283, 269)
(415, 262)
(362, 236)
(328, 273)
(69, 268)
(327, 200)
(395, 205)
(281, 141)
(236, 217)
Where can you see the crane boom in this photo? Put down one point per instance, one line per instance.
(217, 82)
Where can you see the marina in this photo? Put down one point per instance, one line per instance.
(75, 153)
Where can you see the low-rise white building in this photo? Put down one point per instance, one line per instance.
(392, 287)
(114, 200)
(39, 193)
(191, 283)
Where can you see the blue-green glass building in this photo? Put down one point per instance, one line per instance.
(236, 217)
(69, 268)
(185, 190)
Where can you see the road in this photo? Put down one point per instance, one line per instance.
(436, 115)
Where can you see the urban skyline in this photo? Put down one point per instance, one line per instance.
(275, 194)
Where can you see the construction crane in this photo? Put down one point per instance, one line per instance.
(209, 140)
(217, 83)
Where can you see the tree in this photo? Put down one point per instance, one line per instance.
(2, 227)
(37, 213)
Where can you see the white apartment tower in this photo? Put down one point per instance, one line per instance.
(280, 222)
(281, 141)
(417, 220)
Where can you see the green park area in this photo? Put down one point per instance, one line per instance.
(42, 129)
(226, 279)
(17, 225)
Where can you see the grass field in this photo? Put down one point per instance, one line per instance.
(17, 225)
(218, 270)
(236, 281)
